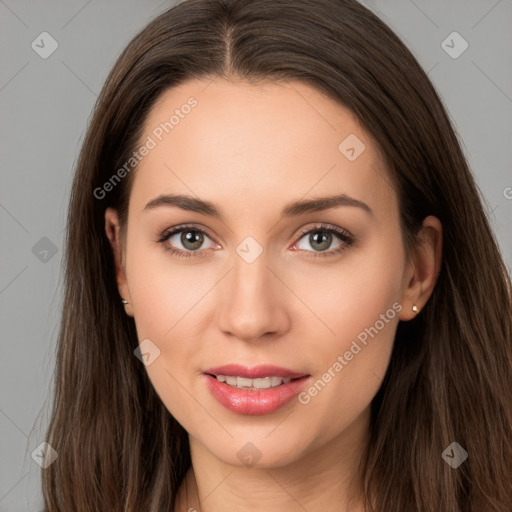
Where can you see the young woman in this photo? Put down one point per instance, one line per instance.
(282, 291)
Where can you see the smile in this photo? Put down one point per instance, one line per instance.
(244, 383)
(254, 391)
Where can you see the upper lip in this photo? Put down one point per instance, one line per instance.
(254, 372)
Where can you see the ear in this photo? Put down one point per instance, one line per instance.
(423, 269)
(113, 230)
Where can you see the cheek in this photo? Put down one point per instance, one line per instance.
(352, 294)
(349, 375)
(165, 299)
(164, 292)
(361, 307)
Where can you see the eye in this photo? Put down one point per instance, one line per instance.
(191, 239)
(320, 237)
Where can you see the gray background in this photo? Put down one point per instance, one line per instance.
(46, 103)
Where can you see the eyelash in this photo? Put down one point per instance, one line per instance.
(345, 237)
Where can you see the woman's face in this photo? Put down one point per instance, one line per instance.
(252, 289)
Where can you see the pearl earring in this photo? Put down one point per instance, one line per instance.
(415, 308)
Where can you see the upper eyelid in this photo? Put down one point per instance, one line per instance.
(327, 227)
(166, 233)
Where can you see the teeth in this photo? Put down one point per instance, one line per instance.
(241, 382)
(244, 383)
(275, 381)
(231, 380)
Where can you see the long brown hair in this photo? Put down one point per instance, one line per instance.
(450, 375)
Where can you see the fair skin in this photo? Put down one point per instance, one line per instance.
(250, 150)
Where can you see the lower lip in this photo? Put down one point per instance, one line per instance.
(254, 402)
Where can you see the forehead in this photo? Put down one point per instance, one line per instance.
(252, 143)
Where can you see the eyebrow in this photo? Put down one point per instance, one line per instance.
(293, 209)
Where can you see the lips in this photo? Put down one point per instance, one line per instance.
(254, 391)
(265, 370)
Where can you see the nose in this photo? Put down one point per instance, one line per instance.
(253, 301)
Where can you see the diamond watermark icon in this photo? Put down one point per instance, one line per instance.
(44, 250)
(44, 45)
(147, 352)
(249, 250)
(454, 45)
(454, 455)
(249, 455)
(44, 455)
(351, 147)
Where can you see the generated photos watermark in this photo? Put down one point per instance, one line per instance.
(342, 360)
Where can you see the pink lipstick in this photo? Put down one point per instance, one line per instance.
(254, 390)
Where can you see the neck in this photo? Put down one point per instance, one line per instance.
(327, 478)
